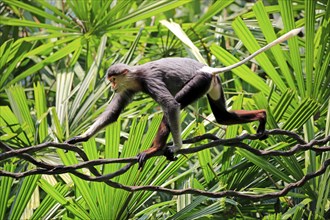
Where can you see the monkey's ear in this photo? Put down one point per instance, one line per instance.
(125, 71)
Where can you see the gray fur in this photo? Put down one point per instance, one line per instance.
(162, 80)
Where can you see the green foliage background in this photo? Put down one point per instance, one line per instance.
(53, 57)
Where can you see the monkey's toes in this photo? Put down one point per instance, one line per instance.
(141, 159)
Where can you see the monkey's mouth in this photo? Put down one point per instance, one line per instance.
(114, 87)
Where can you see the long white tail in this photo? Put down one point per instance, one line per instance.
(286, 36)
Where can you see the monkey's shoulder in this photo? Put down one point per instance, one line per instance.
(179, 60)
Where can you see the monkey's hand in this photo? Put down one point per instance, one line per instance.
(76, 140)
(169, 153)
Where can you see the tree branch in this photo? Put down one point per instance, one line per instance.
(50, 169)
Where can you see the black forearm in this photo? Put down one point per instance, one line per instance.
(110, 115)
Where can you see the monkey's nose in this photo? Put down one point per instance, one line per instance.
(113, 86)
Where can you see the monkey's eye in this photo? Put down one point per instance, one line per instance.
(112, 79)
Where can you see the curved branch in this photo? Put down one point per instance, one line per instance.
(234, 142)
(247, 194)
(237, 142)
(49, 169)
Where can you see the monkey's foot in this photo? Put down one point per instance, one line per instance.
(141, 159)
(169, 153)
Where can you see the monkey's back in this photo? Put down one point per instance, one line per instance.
(174, 72)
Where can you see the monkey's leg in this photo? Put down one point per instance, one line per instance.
(158, 143)
(222, 116)
(194, 89)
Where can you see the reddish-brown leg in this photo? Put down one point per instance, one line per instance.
(222, 116)
(244, 116)
(225, 117)
(158, 143)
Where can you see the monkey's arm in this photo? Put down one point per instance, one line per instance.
(192, 90)
(110, 115)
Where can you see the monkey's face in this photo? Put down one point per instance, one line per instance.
(117, 82)
(116, 74)
(121, 78)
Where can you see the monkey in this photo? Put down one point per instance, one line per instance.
(174, 83)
